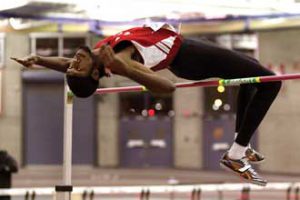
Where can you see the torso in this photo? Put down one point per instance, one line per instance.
(156, 48)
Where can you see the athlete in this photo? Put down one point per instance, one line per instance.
(138, 52)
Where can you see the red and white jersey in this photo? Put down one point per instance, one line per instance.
(157, 46)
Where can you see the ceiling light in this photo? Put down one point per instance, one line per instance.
(5, 5)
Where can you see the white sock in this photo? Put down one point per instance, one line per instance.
(237, 151)
(236, 134)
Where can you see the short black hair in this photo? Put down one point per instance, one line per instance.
(84, 87)
(86, 49)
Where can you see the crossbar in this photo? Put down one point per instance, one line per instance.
(210, 83)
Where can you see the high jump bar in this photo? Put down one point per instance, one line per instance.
(210, 83)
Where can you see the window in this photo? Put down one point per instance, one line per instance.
(70, 45)
(46, 46)
(56, 44)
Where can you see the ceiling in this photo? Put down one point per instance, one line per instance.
(128, 10)
(116, 12)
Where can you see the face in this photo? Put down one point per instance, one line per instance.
(81, 64)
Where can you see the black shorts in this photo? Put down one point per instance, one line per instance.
(197, 60)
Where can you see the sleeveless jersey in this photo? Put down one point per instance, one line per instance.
(157, 47)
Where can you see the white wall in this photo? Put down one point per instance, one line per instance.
(279, 134)
(188, 129)
(16, 45)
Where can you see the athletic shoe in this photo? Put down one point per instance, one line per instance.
(254, 157)
(243, 169)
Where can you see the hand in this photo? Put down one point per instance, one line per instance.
(111, 62)
(72, 71)
(27, 61)
(75, 69)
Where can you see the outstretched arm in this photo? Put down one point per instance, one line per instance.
(60, 64)
(122, 63)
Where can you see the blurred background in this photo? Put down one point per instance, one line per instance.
(139, 138)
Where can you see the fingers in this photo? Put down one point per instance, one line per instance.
(109, 50)
(74, 72)
(13, 58)
(71, 72)
(111, 62)
(106, 54)
(108, 72)
(22, 62)
(25, 62)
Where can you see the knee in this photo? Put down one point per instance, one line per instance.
(277, 86)
(272, 88)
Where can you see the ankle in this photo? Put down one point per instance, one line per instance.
(237, 151)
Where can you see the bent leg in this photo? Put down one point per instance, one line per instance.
(245, 95)
(198, 60)
(256, 110)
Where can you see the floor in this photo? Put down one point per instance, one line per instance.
(45, 176)
(91, 178)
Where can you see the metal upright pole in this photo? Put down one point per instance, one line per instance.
(63, 192)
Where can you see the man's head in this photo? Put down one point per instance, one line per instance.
(82, 63)
(83, 73)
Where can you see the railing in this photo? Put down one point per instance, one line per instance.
(274, 191)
